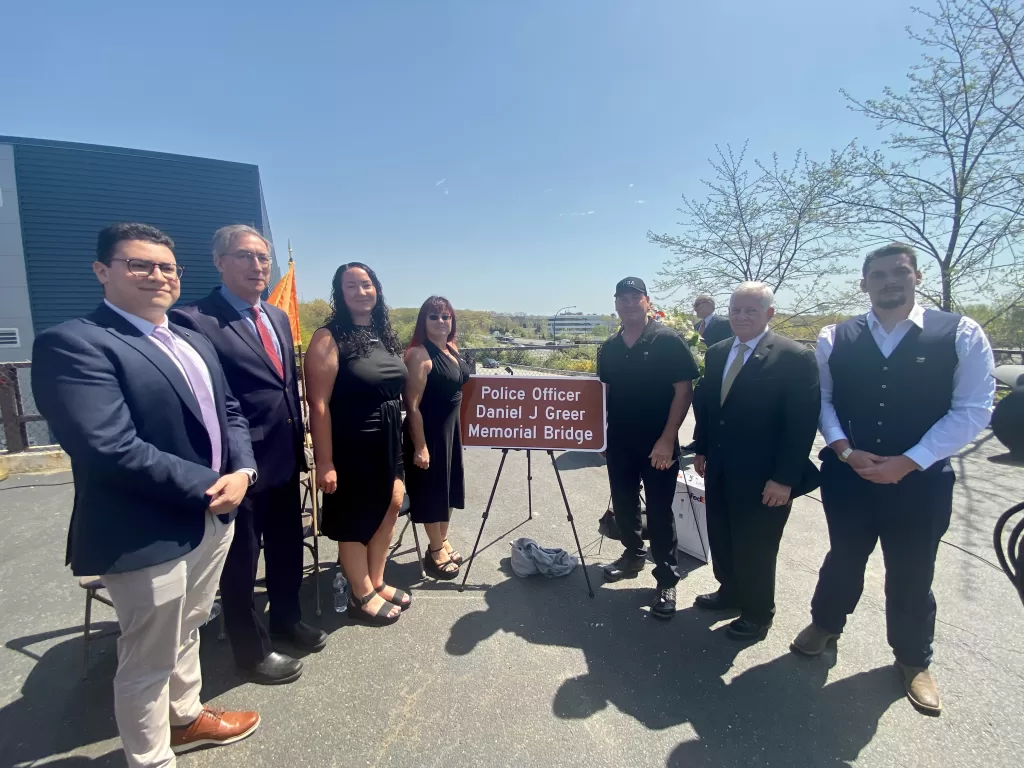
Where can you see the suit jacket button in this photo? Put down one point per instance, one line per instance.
(289, 421)
(721, 423)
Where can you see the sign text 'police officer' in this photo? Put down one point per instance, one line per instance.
(535, 412)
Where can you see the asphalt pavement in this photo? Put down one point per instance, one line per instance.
(515, 672)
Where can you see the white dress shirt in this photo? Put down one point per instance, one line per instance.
(146, 328)
(733, 351)
(973, 387)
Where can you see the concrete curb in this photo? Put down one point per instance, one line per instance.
(45, 458)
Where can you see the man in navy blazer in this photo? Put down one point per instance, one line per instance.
(711, 327)
(254, 343)
(161, 459)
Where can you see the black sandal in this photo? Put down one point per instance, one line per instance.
(454, 555)
(445, 571)
(401, 598)
(380, 618)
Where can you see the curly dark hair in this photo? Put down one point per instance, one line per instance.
(351, 339)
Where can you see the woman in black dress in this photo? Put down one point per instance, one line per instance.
(354, 382)
(433, 442)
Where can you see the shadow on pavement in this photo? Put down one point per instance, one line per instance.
(665, 674)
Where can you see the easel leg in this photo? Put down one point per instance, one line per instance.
(483, 521)
(529, 483)
(572, 523)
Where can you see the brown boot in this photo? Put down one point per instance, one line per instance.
(812, 641)
(922, 690)
(213, 728)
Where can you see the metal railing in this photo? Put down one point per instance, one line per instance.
(24, 428)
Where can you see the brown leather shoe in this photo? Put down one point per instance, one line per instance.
(812, 641)
(213, 728)
(922, 690)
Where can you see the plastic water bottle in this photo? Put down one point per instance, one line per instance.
(340, 593)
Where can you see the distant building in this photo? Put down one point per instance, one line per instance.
(54, 198)
(573, 324)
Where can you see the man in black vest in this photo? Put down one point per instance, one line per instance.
(902, 389)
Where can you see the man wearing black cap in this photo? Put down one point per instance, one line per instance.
(649, 372)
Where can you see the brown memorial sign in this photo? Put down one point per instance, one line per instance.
(540, 413)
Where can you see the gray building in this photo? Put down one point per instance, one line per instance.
(575, 324)
(54, 198)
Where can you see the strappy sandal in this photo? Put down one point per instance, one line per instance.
(401, 598)
(380, 618)
(445, 571)
(454, 555)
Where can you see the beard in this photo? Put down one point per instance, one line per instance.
(891, 300)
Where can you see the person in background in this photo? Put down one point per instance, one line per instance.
(433, 440)
(161, 459)
(902, 389)
(711, 327)
(355, 377)
(649, 371)
(254, 344)
(757, 416)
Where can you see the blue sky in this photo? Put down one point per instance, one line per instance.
(490, 150)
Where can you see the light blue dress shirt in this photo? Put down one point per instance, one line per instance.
(243, 308)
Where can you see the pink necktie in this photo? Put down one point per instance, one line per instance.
(204, 396)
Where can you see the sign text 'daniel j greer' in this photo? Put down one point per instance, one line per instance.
(544, 413)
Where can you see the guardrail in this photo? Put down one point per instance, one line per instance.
(14, 414)
(23, 427)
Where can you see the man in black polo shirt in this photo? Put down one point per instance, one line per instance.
(649, 372)
(902, 389)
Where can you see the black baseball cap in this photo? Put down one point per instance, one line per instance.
(630, 284)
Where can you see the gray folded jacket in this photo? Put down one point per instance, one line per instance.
(529, 558)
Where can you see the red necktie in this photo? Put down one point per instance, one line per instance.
(700, 328)
(267, 342)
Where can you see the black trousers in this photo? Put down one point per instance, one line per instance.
(274, 516)
(628, 464)
(909, 518)
(744, 535)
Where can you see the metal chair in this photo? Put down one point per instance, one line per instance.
(408, 521)
(311, 526)
(92, 586)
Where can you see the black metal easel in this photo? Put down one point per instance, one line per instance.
(529, 486)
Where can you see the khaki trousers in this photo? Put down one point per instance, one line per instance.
(160, 610)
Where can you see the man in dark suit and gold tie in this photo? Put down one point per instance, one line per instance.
(756, 421)
(254, 343)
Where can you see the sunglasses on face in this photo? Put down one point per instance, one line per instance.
(442, 318)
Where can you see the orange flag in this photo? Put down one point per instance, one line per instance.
(285, 297)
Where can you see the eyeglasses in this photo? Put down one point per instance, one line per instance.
(144, 268)
(442, 318)
(244, 257)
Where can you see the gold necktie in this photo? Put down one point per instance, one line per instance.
(734, 369)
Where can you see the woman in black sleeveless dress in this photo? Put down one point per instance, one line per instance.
(354, 381)
(433, 442)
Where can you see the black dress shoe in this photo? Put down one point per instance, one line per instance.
(743, 629)
(302, 636)
(664, 605)
(715, 601)
(624, 568)
(276, 669)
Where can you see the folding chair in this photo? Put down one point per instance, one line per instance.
(92, 586)
(311, 526)
(408, 521)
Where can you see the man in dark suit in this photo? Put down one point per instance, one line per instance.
(161, 459)
(757, 417)
(254, 343)
(711, 327)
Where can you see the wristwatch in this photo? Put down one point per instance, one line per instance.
(845, 454)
